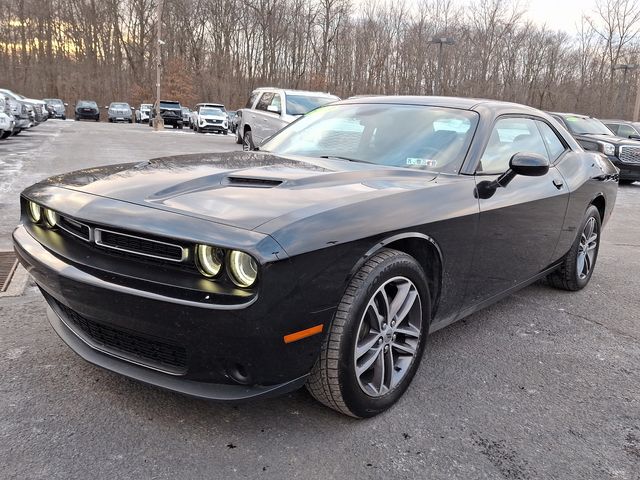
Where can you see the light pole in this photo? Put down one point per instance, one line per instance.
(440, 41)
(625, 67)
(158, 123)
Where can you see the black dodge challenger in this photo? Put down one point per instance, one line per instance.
(324, 258)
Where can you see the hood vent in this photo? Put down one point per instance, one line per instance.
(252, 182)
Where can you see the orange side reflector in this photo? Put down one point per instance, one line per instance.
(294, 337)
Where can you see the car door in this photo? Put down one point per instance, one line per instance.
(273, 117)
(261, 113)
(520, 224)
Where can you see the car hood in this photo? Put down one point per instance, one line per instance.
(607, 138)
(213, 117)
(243, 189)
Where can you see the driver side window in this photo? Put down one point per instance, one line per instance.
(509, 136)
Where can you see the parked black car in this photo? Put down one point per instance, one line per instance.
(57, 108)
(171, 113)
(594, 135)
(87, 109)
(624, 128)
(325, 258)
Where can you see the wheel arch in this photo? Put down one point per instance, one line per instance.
(600, 203)
(427, 253)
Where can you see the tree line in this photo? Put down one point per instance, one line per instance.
(219, 50)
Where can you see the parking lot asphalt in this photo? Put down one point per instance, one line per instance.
(542, 385)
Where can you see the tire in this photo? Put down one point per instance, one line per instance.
(334, 380)
(180, 127)
(64, 117)
(247, 142)
(225, 132)
(625, 182)
(77, 119)
(17, 131)
(568, 277)
(238, 137)
(6, 134)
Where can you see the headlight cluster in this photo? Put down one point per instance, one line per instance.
(607, 148)
(241, 267)
(38, 213)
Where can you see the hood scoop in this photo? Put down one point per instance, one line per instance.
(254, 182)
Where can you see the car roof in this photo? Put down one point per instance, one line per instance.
(462, 103)
(566, 114)
(288, 91)
(615, 121)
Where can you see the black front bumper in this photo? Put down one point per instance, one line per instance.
(88, 115)
(223, 352)
(172, 121)
(628, 171)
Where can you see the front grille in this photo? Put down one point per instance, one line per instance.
(124, 344)
(629, 154)
(138, 245)
(74, 227)
(214, 122)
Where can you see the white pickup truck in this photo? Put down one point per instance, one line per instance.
(268, 110)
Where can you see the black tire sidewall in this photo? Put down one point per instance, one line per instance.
(592, 211)
(358, 402)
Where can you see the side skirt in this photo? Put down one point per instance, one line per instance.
(491, 300)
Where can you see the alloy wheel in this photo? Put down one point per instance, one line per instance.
(587, 248)
(388, 336)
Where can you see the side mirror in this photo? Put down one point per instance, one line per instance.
(634, 137)
(522, 163)
(106, 106)
(529, 164)
(274, 109)
(66, 104)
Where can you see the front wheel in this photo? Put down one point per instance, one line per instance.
(377, 337)
(577, 265)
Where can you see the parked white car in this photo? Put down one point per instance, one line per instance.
(209, 118)
(142, 113)
(269, 110)
(7, 122)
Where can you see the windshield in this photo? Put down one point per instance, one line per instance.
(54, 101)
(303, 104)
(211, 111)
(588, 126)
(431, 138)
(145, 106)
(119, 105)
(174, 105)
(85, 103)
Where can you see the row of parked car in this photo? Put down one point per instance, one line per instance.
(18, 113)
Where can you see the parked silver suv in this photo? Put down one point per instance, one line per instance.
(268, 110)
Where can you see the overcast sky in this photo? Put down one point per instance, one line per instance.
(559, 14)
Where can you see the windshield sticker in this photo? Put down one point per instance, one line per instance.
(423, 162)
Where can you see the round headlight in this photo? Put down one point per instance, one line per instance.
(243, 269)
(35, 211)
(51, 217)
(209, 260)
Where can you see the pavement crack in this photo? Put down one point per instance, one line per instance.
(582, 317)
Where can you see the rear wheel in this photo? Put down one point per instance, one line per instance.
(578, 264)
(375, 343)
(247, 142)
(625, 182)
(238, 137)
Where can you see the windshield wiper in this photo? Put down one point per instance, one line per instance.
(357, 160)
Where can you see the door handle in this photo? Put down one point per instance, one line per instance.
(558, 184)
